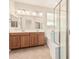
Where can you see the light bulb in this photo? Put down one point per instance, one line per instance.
(34, 13)
(27, 12)
(40, 14)
(21, 12)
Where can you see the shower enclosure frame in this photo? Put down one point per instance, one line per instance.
(67, 27)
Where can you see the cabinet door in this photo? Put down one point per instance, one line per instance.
(33, 39)
(41, 38)
(24, 41)
(14, 42)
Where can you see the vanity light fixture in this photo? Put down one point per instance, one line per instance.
(21, 12)
(18, 11)
(27, 12)
(31, 13)
(34, 14)
(40, 14)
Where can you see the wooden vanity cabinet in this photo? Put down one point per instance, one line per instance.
(14, 42)
(41, 38)
(33, 39)
(25, 40)
(28, 39)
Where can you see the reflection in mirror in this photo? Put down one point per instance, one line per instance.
(14, 24)
(37, 25)
(28, 24)
(13, 21)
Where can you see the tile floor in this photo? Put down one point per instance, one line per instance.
(40, 52)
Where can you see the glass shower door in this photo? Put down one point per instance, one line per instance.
(63, 29)
(57, 46)
(60, 15)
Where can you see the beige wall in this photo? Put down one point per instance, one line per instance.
(12, 7)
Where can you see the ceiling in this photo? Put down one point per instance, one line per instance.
(43, 3)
